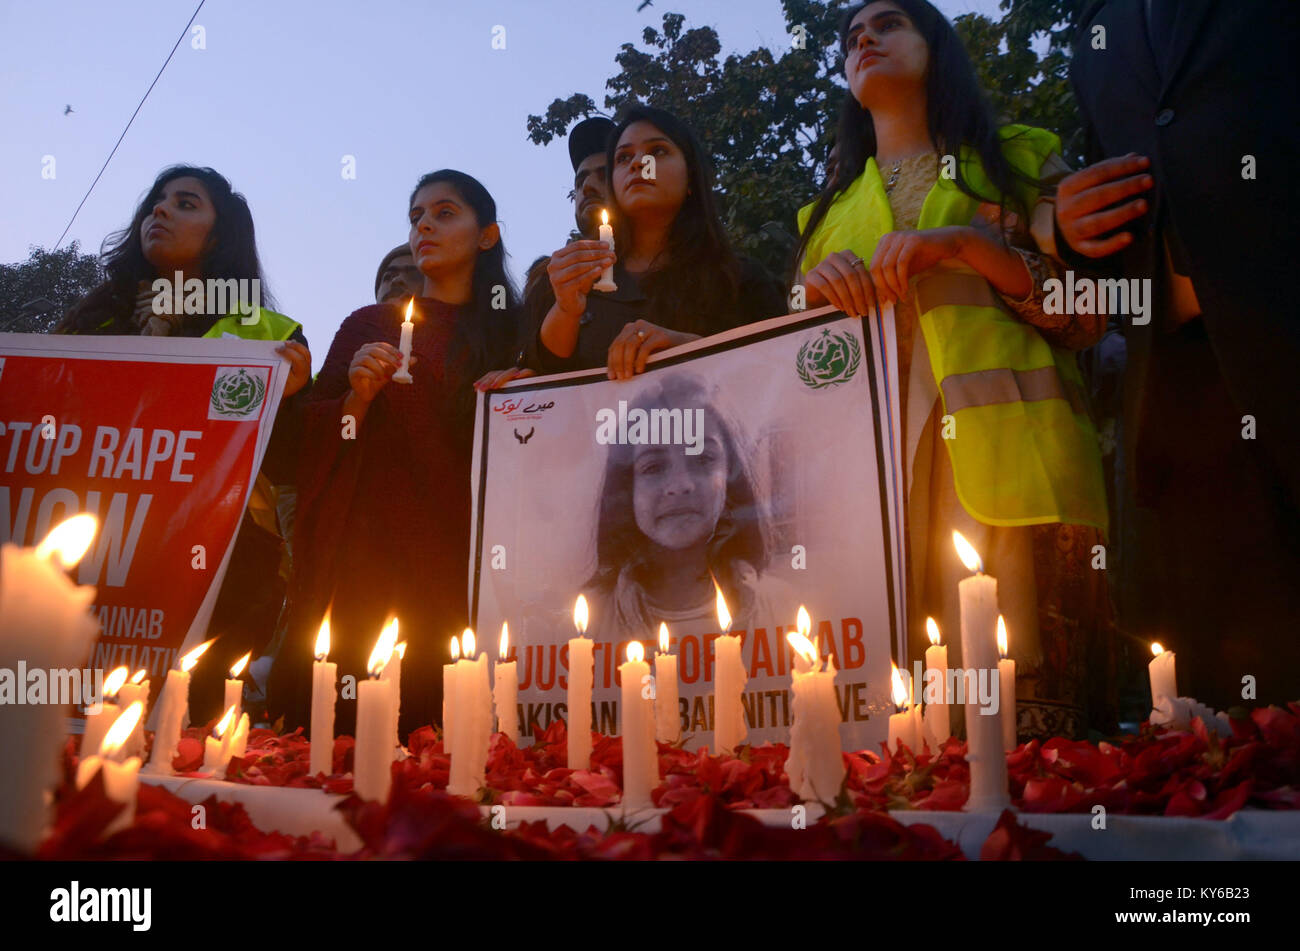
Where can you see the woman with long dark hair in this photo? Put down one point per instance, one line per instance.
(383, 525)
(678, 278)
(936, 211)
(192, 225)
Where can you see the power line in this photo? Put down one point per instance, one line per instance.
(129, 121)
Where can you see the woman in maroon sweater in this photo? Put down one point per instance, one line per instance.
(383, 525)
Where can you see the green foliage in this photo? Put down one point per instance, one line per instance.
(767, 118)
(37, 292)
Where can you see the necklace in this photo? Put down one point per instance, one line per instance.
(897, 169)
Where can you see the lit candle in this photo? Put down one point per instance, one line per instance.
(45, 623)
(238, 738)
(97, 724)
(979, 610)
(640, 755)
(473, 724)
(579, 691)
(902, 725)
(815, 765)
(216, 746)
(1007, 689)
(914, 709)
(393, 674)
(324, 676)
(449, 696)
(505, 690)
(729, 678)
(121, 779)
(938, 726)
(606, 282)
(173, 704)
(235, 686)
(668, 723)
(373, 755)
(136, 689)
(1164, 681)
(804, 662)
(403, 374)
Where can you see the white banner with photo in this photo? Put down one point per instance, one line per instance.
(765, 460)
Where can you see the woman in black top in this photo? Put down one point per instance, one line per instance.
(678, 278)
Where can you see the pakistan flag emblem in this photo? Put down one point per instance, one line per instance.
(828, 358)
(237, 393)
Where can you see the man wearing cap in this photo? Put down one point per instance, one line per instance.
(398, 277)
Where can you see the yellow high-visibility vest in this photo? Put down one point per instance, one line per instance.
(1025, 450)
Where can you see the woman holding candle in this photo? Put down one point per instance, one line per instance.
(677, 276)
(384, 506)
(191, 221)
(937, 212)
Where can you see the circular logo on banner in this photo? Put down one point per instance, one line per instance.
(828, 358)
(236, 394)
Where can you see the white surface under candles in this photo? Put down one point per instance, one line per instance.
(640, 755)
(606, 282)
(978, 596)
(668, 721)
(324, 677)
(505, 688)
(815, 765)
(403, 374)
(44, 621)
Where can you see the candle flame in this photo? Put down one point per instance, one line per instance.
(114, 682)
(604, 217)
(455, 649)
(900, 690)
(468, 645)
(238, 666)
(803, 622)
(1156, 648)
(663, 637)
(323, 638)
(932, 631)
(968, 555)
(724, 616)
(139, 675)
(67, 542)
(504, 647)
(224, 725)
(1002, 638)
(804, 647)
(580, 614)
(192, 658)
(400, 651)
(635, 652)
(383, 650)
(121, 729)
(410, 306)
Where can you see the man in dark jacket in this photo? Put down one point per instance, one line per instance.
(1189, 110)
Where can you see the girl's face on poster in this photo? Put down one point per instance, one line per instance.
(885, 52)
(445, 234)
(679, 498)
(174, 235)
(657, 189)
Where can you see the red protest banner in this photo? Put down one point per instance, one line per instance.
(160, 439)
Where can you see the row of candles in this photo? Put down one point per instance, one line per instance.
(49, 613)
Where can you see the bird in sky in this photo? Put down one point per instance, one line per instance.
(66, 110)
(644, 4)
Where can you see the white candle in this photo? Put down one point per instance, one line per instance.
(979, 610)
(173, 705)
(902, 724)
(815, 765)
(403, 374)
(668, 722)
(393, 674)
(578, 695)
(239, 738)
(1006, 689)
(44, 623)
(729, 678)
(1164, 680)
(121, 779)
(606, 282)
(473, 722)
(137, 689)
(324, 676)
(216, 746)
(97, 724)
(235, 686)
(640, 755)
(505, 690)
(938, 726)
(373, 755)
(449, 696)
